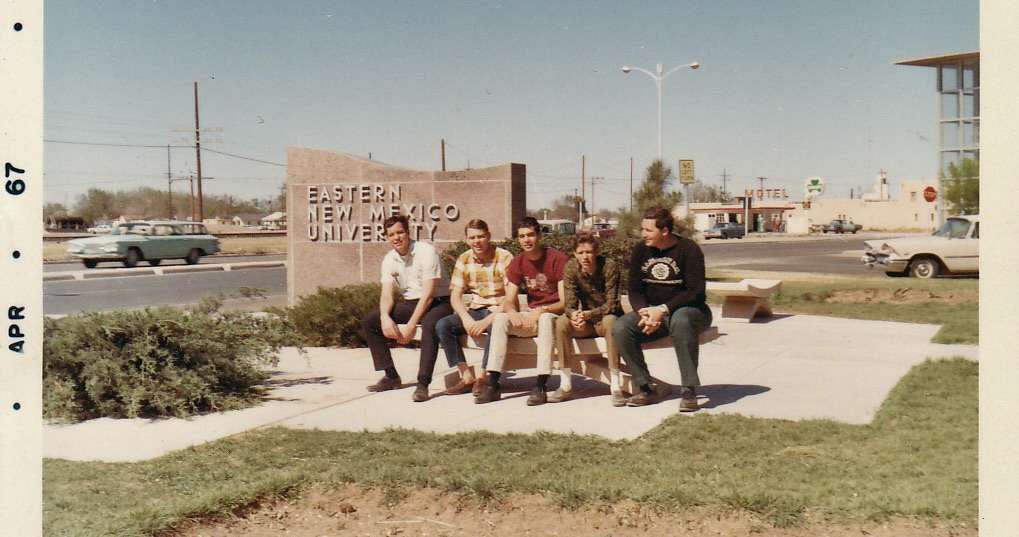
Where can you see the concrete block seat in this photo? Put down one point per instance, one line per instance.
(745, 300)
(521, 353)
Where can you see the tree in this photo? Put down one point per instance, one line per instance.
(52, 209)
(701, 193)
(566, 208)
(96, 204)
(961, 191)
(653, 192)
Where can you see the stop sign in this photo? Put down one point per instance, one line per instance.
(930, 194)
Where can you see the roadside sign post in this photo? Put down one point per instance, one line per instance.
(686, 178)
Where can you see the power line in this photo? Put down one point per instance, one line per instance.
(110, 145)
(242, 157)
(161, 147)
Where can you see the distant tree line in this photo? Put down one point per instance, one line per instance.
(99, 205)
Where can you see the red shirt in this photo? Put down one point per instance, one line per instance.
(539, 278)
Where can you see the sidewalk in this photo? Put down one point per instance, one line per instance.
(790, 367)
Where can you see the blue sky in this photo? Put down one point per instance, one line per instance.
(786, 90)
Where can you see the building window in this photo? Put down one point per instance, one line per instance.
(912, 196)
(959, 86)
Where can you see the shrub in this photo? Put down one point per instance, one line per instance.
(156, 362)
(332, 316)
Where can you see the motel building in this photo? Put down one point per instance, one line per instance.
(776, 211)
(768, 211)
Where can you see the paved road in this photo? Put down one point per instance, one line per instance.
(65, 266)
(825, 254)
(105, 294)
(835, 254)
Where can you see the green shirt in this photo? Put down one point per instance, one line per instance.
(597, 293)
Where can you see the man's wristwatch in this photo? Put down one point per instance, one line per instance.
(664, 308)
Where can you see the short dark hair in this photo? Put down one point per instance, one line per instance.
(528, 221)
(585, 237)
(661, 216)
(477, 223)
(393, 220)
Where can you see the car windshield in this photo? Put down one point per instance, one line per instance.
(953, 228)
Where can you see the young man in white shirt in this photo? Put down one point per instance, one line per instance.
(413, 271)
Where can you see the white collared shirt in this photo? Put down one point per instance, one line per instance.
(406, 272)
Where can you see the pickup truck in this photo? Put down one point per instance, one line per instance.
(840, 226)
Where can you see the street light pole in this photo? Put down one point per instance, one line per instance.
(658, 77)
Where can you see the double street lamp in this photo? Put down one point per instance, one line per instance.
(658, 77)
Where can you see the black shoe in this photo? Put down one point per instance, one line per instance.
(538, 396)
(384, 384)
(688, 400)
(487, 395)
(641, 399)
(420, 394)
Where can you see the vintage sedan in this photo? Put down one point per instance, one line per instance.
(953, 249)
(151, 241)
(725, 230)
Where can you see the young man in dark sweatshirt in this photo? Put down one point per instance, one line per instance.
(667, 293)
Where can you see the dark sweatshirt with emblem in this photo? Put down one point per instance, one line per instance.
(673, 276)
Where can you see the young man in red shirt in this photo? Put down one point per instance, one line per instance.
(538, 271)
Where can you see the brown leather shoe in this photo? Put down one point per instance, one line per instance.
(459, 388)
(487, 395)
(688, 400)
(479, 384)
(420, 394)
(384, 384)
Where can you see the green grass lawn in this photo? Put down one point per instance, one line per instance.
(951, 302)
(917, 459)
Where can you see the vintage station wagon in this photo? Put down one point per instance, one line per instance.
(150, 240)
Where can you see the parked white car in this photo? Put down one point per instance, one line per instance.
(100, 228)
(953, 249)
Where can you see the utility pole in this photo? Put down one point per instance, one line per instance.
(169, 186)
(443, 140)
(198, 157)
(580, 214)
(761, 179)
(200, 215)
(583, 194)
(725, 177)
(631, 184)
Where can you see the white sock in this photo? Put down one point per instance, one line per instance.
(565, 380)
(614, 380)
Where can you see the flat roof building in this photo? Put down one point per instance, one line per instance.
(958, 86)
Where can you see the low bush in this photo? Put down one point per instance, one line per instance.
(156, 362)
(332, 317)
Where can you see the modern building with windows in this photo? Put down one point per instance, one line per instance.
(958, 85)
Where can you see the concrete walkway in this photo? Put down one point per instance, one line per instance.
(790, 367)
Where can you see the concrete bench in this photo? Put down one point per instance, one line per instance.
(590, 360)
(744, 300)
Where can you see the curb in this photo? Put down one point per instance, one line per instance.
(82, 275)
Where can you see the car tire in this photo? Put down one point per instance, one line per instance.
(90, 263)
(154, 262)
(193, 256)
(925, 268)
(132, 258)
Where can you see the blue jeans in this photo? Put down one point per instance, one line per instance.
(449, 330)
(683, 325)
